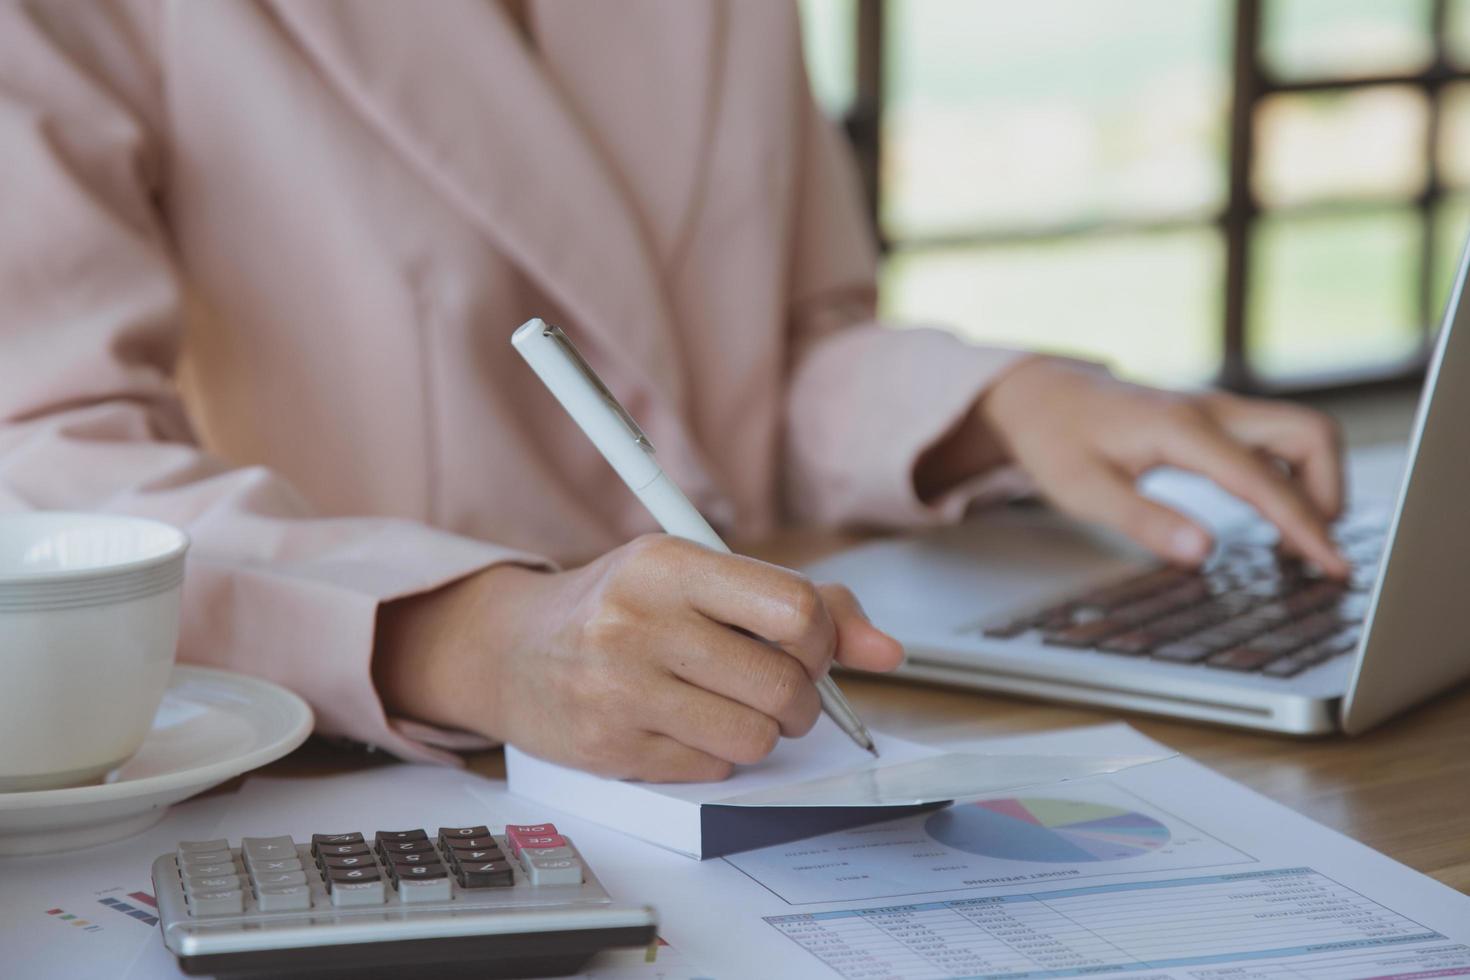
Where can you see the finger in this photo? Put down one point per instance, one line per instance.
(665, 760)
(774, 603)
(860, 644)
(1104, 495)
(750, 672)
(1307, 440)
(1209, 450)
(712, 724)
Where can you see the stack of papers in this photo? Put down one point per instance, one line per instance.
(808, 786)
(1164, 870)
(1167, 870)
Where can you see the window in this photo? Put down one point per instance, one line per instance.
(1269, 193)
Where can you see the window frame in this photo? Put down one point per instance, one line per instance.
(1251, 83)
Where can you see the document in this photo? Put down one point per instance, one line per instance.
(91, 912)
(808, 786)
(1157, 871)
(1164, 870)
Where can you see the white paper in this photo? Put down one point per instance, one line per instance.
(947, 776)
(113, 943)
(101, 887)
(820, 771)
(1216, 883)
(1228, 849)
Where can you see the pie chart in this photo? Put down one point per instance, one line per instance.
(1050, 830)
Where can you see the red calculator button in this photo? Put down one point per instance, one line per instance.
(547, 840)
(527, 829)
(520, 835)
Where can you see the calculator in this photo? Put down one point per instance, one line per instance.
(464, 902)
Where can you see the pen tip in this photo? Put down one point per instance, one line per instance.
(873, 749)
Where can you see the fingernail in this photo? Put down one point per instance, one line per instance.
(1188, 543)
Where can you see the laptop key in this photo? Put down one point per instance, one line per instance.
(1006, 631)
(1146, 610)
(1244, 658)
(1184, 652)
(1129, 590)
(1272, 645)
(1287, 666)
(1343, 642)
(1052, 617)
(1084, 634)
(1313, 597)
(1227, 634)
(1134, 643)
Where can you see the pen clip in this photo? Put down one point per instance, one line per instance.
(565, 343)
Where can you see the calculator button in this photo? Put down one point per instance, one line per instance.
(355, 893)
(418, 872)
(468, 857)
(554, 872)
(486, 874)
(383, 836)
(416, 857)
(342, 850)
(275, 866)
(201, 859)
(542, 841)
(350, 861)
(414, 891)
(407, 846)
(348, 876)
(470, 843)
(217, 903)
(277, 879)
(213, 883)
(533, 829)
(549, 853)
(284, 898)
(517, 835)
(266, 848)
(318, 840)
(187, 847)
(209, 870)
(451, 832)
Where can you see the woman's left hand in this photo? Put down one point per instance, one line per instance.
(1085, 438)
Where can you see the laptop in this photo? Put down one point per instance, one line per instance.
(1024, 601)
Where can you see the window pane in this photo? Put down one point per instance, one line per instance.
(1457, 31)
(1052, 112)
(829, 41)
(1333, 293)
(1454, 135)
(1352, 38)
(1341, 145)
(1149, 304)
(1451, 225)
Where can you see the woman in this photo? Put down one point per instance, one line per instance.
(259, 266)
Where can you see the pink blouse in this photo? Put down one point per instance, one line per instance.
(260, 263)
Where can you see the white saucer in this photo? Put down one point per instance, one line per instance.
(212, 725)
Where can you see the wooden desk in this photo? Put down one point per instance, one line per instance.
(1403, 788)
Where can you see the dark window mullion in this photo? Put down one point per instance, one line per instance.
(1240, 206)
(864, 120)
(1433, 87)
(1250, 83)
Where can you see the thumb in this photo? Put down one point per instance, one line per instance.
(860, 644)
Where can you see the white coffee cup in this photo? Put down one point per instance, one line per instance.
(89, 624)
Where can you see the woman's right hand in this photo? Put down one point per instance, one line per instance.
(648, 663)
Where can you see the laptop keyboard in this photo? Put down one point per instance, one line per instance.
(1248, 609)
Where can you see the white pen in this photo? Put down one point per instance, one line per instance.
(622, 443)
